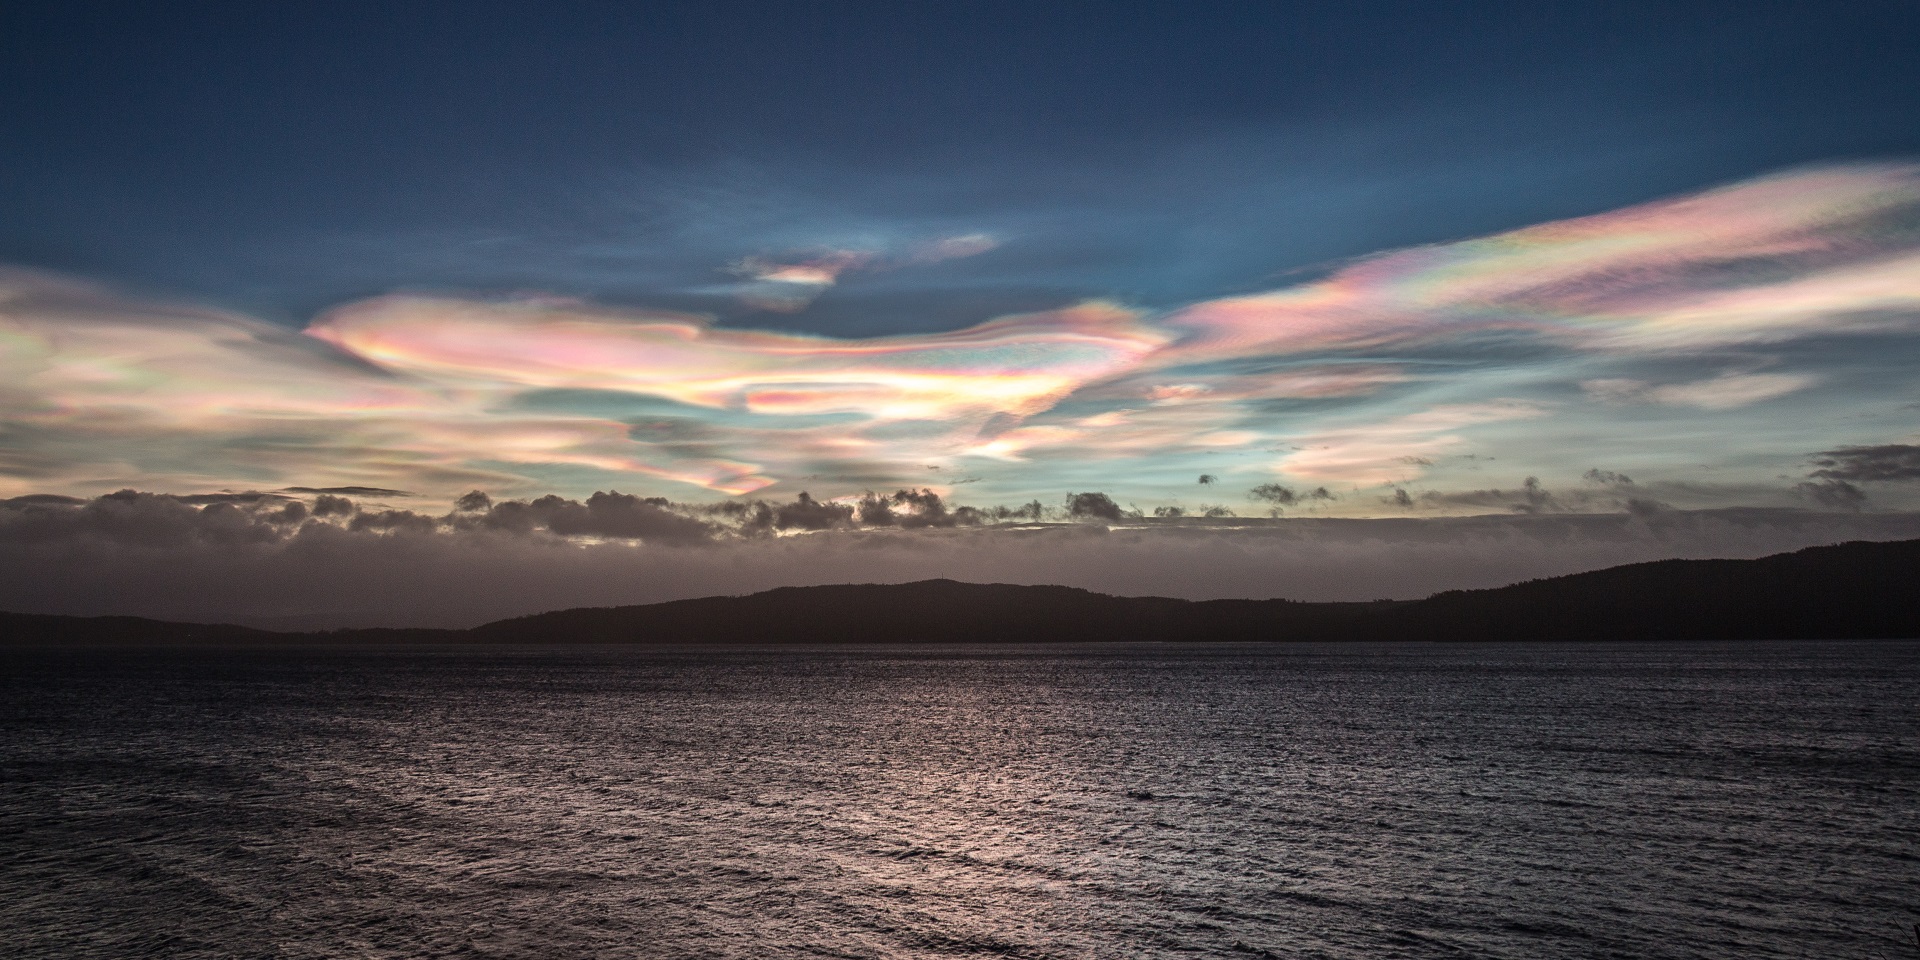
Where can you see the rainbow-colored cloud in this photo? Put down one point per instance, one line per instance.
(1374, 375)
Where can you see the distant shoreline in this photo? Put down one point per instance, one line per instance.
(1850, 591)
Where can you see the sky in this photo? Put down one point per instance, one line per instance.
(845, 271)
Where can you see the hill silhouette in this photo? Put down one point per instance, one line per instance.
(1847, 591)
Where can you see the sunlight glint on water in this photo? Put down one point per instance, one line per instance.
(1630, 801)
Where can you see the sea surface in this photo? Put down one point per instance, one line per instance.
(1642, 801)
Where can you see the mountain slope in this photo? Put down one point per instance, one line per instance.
(1851, 590)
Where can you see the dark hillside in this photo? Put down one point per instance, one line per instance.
(1846, 591)
(933, 611)
(1850, 590)
(48, 629)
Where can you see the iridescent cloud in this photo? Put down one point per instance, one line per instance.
(785, 287)
(1724, 392)
(1770, 258)
(1394, 450)
(1690, 307)
(1018, 365)
(789, 284)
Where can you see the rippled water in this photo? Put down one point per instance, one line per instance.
(1403, 801)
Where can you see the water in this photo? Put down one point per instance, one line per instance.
(1378, 801)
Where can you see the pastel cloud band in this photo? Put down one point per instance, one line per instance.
(1324, 382)
(1648, 277)
(1019, 365)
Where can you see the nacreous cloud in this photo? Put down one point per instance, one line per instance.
(1762, 261)
(1670, 337)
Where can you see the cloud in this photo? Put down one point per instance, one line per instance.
(1886, 463)
(925, 509)
(1395, 450)
(804, 513)
(1017, 365)
(1607, 478)
(610, 515)
(1377, 373)
(785, 287)
(327, 505)
(153, 555)
(1838, 494)
(953, 248)
(821, 271)
(1304, 382)
(1604, 492)
(1724, 392)
(350, 491)
(1756, 262)
(392, 521)
(1282, 496)
(130, 518)
(790, 284)
(1832, 484)
(1092, 506)
(1531, 497)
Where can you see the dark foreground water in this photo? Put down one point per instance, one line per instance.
(1380, 801)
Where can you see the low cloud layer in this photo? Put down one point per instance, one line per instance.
(1887, 463)
(277, 560)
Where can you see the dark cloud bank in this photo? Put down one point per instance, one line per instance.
(1884, 463)
(273, 559)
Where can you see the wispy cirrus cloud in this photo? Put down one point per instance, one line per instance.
(791, 283)
(1724, 392)
(957, 247)
(1395, 450)
(784, 287)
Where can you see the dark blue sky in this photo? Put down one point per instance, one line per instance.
(281, 158)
